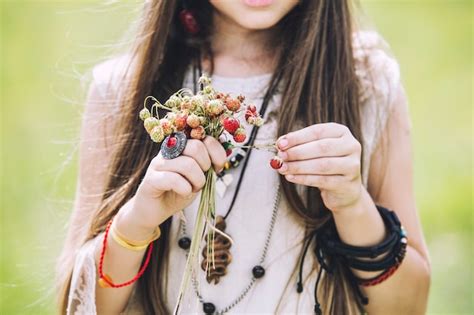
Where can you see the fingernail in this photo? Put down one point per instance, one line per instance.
(282, 143)
(284, 167)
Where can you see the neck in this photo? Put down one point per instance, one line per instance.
(238, 51)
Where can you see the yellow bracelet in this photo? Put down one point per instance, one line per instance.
(131, 244)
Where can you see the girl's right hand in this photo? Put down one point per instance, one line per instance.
(171, 185)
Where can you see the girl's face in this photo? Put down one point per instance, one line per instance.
(254, 14)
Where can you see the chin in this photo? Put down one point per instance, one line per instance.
(254, 14)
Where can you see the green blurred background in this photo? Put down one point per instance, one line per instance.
(47, 47)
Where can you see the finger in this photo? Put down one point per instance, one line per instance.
(185, 166)
(197, 150)
(170, 181)
(311, 133)
(330, 182)
(321, 166)
(329, 147)
(216, 152)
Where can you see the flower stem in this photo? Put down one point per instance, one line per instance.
(206, 210)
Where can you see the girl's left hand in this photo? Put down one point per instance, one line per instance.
(326, 156)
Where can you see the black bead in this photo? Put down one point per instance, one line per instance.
(317, 309)
(258, 271)
(299, 287)
(208, 308)
(184, 242)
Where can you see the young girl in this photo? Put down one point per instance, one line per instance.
(316, 235)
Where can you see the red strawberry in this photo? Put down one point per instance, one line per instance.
(252, 108)
(180, 121)
(228, 151)
(239, 135)
(276, 162)
(231, 124)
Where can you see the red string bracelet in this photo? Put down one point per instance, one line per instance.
(380, 278)
(105, 281)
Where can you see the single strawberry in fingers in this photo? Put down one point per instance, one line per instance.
(231, 124)
(276, 162)
(239, 135)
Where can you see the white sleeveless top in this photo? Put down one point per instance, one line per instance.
(249, 221)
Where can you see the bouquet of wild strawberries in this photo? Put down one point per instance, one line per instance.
(208, 112)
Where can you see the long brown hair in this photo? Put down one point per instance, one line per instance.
(316, 68)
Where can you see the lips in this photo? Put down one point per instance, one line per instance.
(258, 3)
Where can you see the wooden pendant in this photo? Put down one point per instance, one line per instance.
(222, 256)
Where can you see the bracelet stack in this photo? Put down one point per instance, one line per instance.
(105, 281)
(384, 257)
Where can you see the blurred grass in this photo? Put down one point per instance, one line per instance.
(47, 45)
